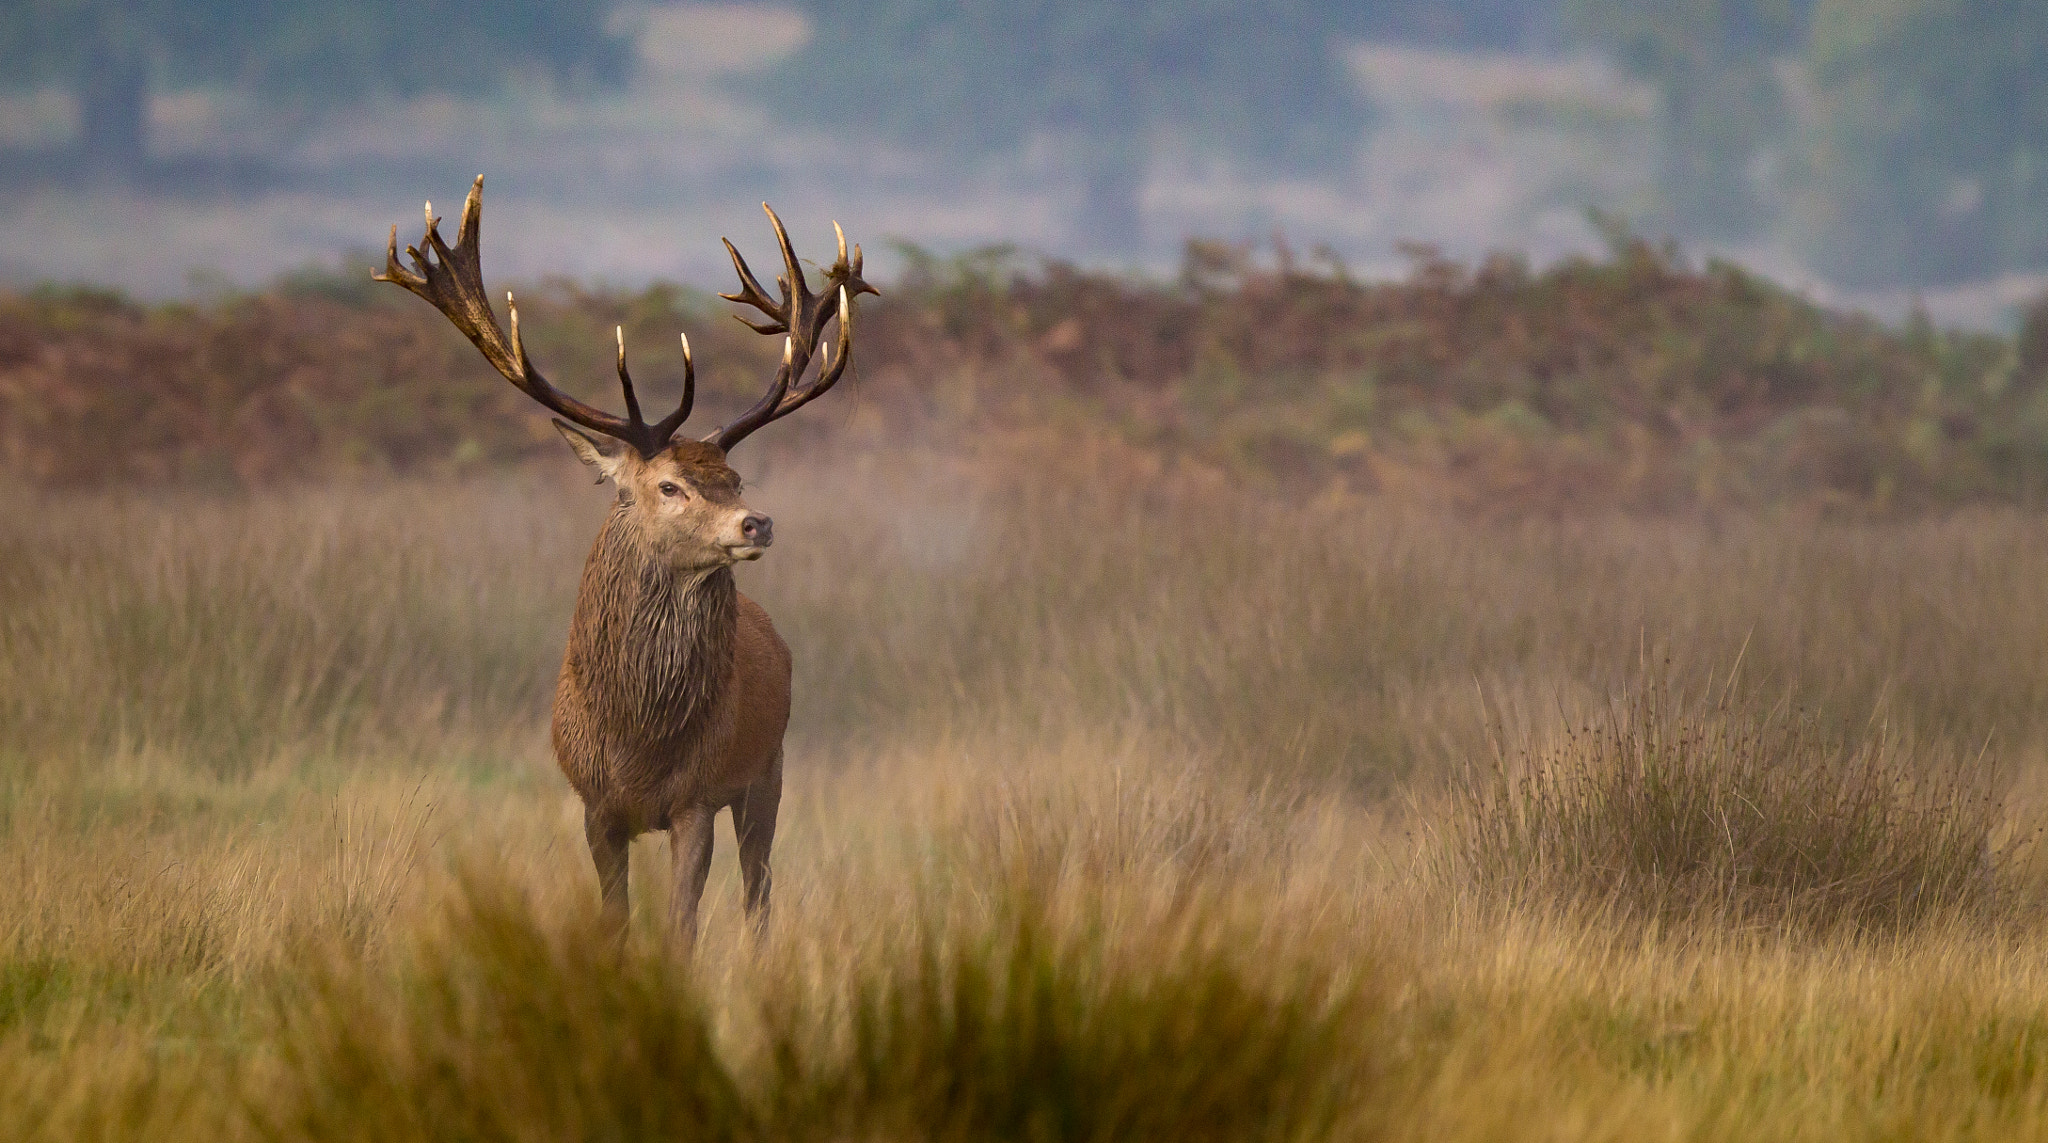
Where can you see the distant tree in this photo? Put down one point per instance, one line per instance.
(1929, 156)
(1713, 63)
(1258, 80)
(112, 53)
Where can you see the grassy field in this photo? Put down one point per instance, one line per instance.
(1122, 805)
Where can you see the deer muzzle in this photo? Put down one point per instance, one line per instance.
(756, 533)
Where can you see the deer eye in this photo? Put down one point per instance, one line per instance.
(668, 488)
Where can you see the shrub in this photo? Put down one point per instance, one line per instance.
(1637, 380)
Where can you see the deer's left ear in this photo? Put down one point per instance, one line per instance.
(605, 454)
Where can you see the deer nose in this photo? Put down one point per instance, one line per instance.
(758, 529)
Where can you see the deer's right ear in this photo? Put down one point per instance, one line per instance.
(605, 454)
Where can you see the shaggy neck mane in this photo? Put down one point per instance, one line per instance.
(653, 646)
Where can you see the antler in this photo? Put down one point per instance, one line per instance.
(801, 317)
(452, 279)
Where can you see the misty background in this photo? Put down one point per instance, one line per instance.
(1880, 154)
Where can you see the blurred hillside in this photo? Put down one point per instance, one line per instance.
(1875, 157)
(1634, 380)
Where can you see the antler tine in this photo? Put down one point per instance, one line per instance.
(833, 365)
(781, 400)
(451, 280)
(796, 294)
(803, 320)
(847, 273)
(469, 249)
(843, 274)
(669, 424)
(751, 294)
(659, 433)
(518, 346)
(626, 379)
(393, 270)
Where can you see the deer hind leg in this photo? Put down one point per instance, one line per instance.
(753, 823)
(610, 845)
(689, 842)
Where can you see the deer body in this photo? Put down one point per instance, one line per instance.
(710, 727)
(675, 688)
(671, 705)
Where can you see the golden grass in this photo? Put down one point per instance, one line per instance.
(1679, 810)
(1118, 807)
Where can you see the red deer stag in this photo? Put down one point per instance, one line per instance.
(674, 691)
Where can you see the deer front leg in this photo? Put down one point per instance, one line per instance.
(610, 846)
(689, 842)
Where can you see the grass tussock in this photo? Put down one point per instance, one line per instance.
(1023, 1034)
(507, 1026)
(499, 1029)
(1675, 811)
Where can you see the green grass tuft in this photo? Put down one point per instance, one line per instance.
(506, 1027)
(500, 1029)
(1020, 1034)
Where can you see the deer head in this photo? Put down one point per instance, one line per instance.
(682, 496)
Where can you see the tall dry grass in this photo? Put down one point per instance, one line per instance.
(1117, 809)
(1676, 810)
(1042, 586)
